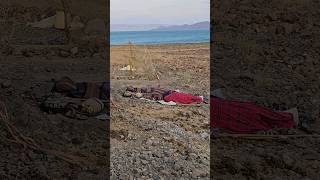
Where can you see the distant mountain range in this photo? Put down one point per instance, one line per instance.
(133, 27)
(205, 25)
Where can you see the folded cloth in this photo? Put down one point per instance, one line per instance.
(183, 98)
(246, 117)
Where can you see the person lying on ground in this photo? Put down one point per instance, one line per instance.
(77, 100)
(158, 94)
(85, 90)
(246, 117)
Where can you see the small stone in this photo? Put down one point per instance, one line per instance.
(74, 50)
(48, 69)
(64, 53)
(197, 173)
(76, 23)
(144, 162)
(288, 160)
(6, 84)
(204, 135)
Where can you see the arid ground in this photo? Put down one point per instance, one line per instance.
(153, 141)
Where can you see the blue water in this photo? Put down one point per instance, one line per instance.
(160, 37)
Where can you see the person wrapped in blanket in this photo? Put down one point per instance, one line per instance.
(77, 99)
(160, 94)
(244, 117)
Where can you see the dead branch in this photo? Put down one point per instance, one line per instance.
(20, 139)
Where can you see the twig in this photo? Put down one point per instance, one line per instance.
(27, 142)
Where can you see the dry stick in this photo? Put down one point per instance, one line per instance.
(18, 138)
(153, 69)
(131, 59)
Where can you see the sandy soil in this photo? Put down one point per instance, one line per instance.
(149, 140)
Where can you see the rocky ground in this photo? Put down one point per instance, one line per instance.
(48, 146)
(153, 141)
(267, 52)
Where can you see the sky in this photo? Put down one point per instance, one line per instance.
(167, 12)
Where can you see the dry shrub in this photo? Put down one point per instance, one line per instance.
(142, 60)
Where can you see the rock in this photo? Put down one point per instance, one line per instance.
(74, 50)
(76, 23)
(95, 26)
(197, 173)
(288, 161)
(45, 23)
(64, 53)
(6, 84)
(144, 162)
(204, 135)
(48, 69)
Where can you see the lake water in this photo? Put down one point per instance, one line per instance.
(159, 37)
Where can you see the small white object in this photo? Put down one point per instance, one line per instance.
(128, 68)
(171, 103)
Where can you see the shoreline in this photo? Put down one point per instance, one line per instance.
(161, 44)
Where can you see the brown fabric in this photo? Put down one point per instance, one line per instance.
(93, 90)
(151, 93)
(65, 84)
(92, 106)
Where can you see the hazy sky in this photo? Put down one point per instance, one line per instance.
(159, 11)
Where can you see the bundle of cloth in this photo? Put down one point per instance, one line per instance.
(160, 94)
(246, 117)
(78, 100)
(85, 90)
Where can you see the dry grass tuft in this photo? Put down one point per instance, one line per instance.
(142, 62)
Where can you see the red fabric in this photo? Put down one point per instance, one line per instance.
(182, 98)
(246, 117)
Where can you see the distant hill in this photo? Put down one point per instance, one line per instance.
(205, 25)
(134, 27)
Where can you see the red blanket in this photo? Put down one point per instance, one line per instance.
(182, 98)
(246, 117)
